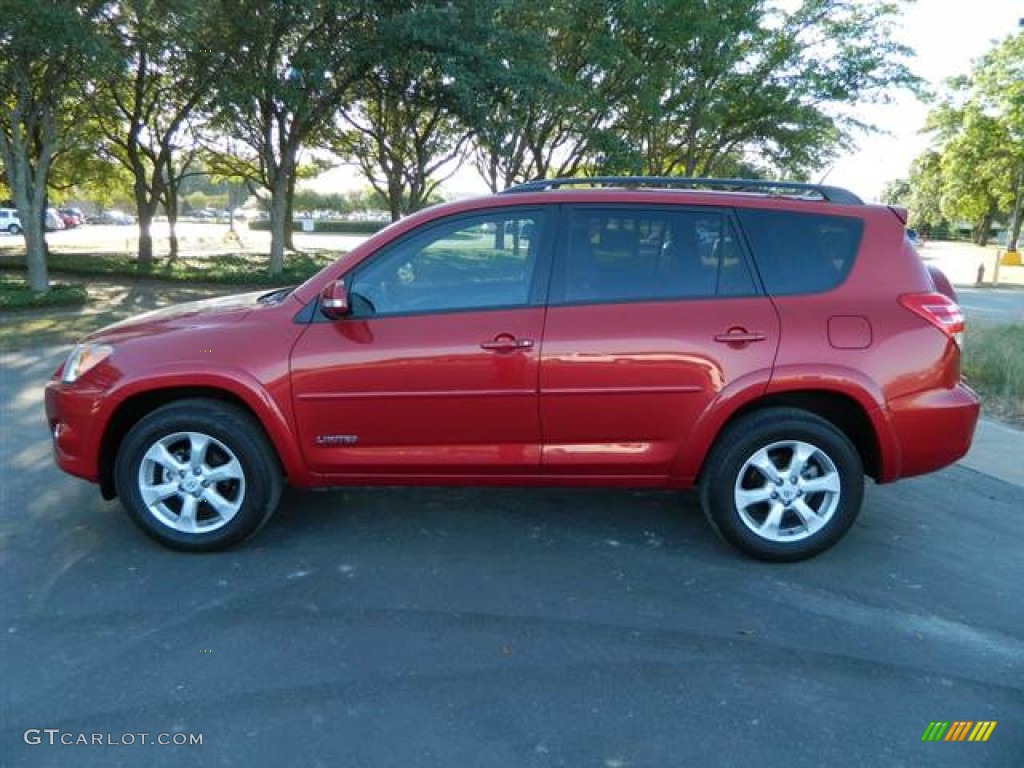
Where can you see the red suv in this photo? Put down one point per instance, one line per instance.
(767, 342)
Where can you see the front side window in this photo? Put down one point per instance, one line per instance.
(639, 254)
(474, 262)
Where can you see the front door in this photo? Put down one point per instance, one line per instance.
(435, 371)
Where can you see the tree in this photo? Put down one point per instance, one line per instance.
(976, 166)
(925, 204)
(168, 66)
(293, 64)
(663, 87)
(550, 102)
(82, 169)
(1000, 87)
(747, 79)
(45, 46)
(409, 122)
(978, 136)
(897, 192)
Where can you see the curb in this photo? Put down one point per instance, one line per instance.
(996, 451)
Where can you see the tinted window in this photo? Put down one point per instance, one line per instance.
(801, 252)
(635, 254)
(471, 263)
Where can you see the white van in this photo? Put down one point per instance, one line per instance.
(9, 221)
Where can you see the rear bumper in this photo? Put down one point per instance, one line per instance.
(71, 416)
(933, 429)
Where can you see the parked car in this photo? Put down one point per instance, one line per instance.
(53, 221)
(768, 343)
(915, 238)
(72, 217)
(119, 218)
(9, 221)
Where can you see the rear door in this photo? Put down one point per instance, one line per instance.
(654, 315)
(435, 372)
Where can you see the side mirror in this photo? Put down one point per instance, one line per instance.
(334, 300)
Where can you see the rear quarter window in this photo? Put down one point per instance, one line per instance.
(801, 252)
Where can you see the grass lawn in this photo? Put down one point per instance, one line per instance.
(15, 294)
(231, 268)
(994, 365)
(117, 289)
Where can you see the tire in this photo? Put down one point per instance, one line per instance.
(816, 502)
(14, 229)
(162, 487)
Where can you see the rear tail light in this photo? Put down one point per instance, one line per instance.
(939, 310)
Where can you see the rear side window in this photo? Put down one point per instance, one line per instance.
(801, 252)
(645, 254)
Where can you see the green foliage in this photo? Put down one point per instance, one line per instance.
(546, 110)
(15, 293)
(366, 199)
(926, 193)
(663, 87)
(292, 66)
(233, 269)
(330, 225)
(48, 50)
(412, 116)
(897, 192)
(975, 172)
(256, 91)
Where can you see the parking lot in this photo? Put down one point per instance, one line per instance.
(408, 627)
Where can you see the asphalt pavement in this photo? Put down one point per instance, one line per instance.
(486, 627)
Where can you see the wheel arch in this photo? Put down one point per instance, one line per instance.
(136, 406)
(842, 410)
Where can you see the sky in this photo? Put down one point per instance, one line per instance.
(947, 37)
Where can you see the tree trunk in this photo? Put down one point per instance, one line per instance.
(1018, 213)
(170, 200)
(29, 198)
(394, 198)
(35, 247)
(289, 214)
(278, 222)
(145, 239)
(982, 229)
(172, 226)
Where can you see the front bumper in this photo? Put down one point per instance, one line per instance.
(71, 413)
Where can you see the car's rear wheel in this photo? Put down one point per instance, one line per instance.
(198, 475)
(782, 484)
(14, 229)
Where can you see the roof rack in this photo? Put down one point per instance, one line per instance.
(797, 188)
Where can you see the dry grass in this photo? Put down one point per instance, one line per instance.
(994, 365)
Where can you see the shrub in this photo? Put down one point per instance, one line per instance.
(16, 294)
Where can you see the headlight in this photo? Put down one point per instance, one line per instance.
(82, 358)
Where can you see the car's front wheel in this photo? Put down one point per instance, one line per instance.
(782, 484)
(198, 475)
(14, 229)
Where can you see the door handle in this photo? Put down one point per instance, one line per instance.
(505, 343)
(739, 336)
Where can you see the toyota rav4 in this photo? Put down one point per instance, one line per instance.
(768, 343)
